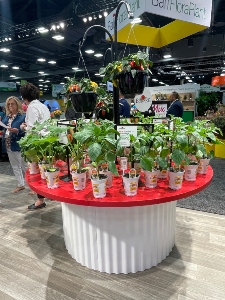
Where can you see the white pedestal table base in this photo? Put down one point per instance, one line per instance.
(119, 239)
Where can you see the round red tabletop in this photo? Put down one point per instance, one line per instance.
(115, 196)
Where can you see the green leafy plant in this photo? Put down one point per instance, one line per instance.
(100, 141)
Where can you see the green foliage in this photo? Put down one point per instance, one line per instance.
(207, 101)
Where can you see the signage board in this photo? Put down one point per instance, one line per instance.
(193, 11)
(143, 101)
(7, 86)
(125, 132)
(57, 89)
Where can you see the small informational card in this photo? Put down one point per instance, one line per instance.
(3, 125)
(125, 132)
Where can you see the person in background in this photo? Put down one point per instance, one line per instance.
(124, 106)
(176, 107)
(36, 111)
(2, 114)
(49, 107)
(13, 119)
(24, 107)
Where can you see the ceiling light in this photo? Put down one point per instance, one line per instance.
(62, 83)
(190, 80)
(53, 27)
(41, 88)
(5, 49)
(105, 14)
(40, 85)
(57, 36)
(41, 79)
(43, 29)
(136, 21)
(100, 16)
(62, 25)
(41, 59)
(89, 18)
(12, 76)
(90, 51)
(47, 80)
(95, 17)
(167, 55)
(52, 62)
(187, 77)
(41, 72)
(97, 74)
(4, 66)
(161, 82)
(15, 68)
(75, 68)
(102, 75)
(85, 20)
(98, 54)
(154, 79)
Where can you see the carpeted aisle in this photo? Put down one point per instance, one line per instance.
(211, 200)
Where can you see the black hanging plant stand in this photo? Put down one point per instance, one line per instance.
(83, 102)
(132, 84)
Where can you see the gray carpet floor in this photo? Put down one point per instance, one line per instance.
(211, 200)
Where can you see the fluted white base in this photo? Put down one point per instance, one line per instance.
(119, 239)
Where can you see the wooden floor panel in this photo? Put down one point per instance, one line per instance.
(34, 263)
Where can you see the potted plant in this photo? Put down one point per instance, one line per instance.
(84, 99)
(77, 151)
(100, 140)
(128, 74)
(56, 114)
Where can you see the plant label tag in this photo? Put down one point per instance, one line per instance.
(132, 173)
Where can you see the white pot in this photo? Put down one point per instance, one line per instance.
(33, 167)
(109, 178)
(79, 180)
(52, 179)
(123, 163)
(163, 174)
(99, 186)
(190, 172)
(130, 185)
(151, 178)
(175, 180)
(203, 165)
(42, 168)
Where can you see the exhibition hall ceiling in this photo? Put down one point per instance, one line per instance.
(196, 58)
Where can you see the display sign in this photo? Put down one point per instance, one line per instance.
(208, 88)
(144, 101)
(160, 109)
(57, 89)
(193, 11)
(7, 86)
(218, 81)
(184, 88)
(125, 132)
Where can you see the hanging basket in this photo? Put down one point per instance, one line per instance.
(84, 102)
(131, 85)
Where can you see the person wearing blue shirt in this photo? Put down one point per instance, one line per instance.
(176, 108)
(11, 135)
(124, 107)
(2, 114)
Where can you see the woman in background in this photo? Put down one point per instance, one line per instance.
(13, 119)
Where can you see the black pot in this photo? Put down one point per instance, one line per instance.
(132, 85)
(84, 102)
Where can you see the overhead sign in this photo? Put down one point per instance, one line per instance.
(7, 86)
(193, 11)
(218, 81)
